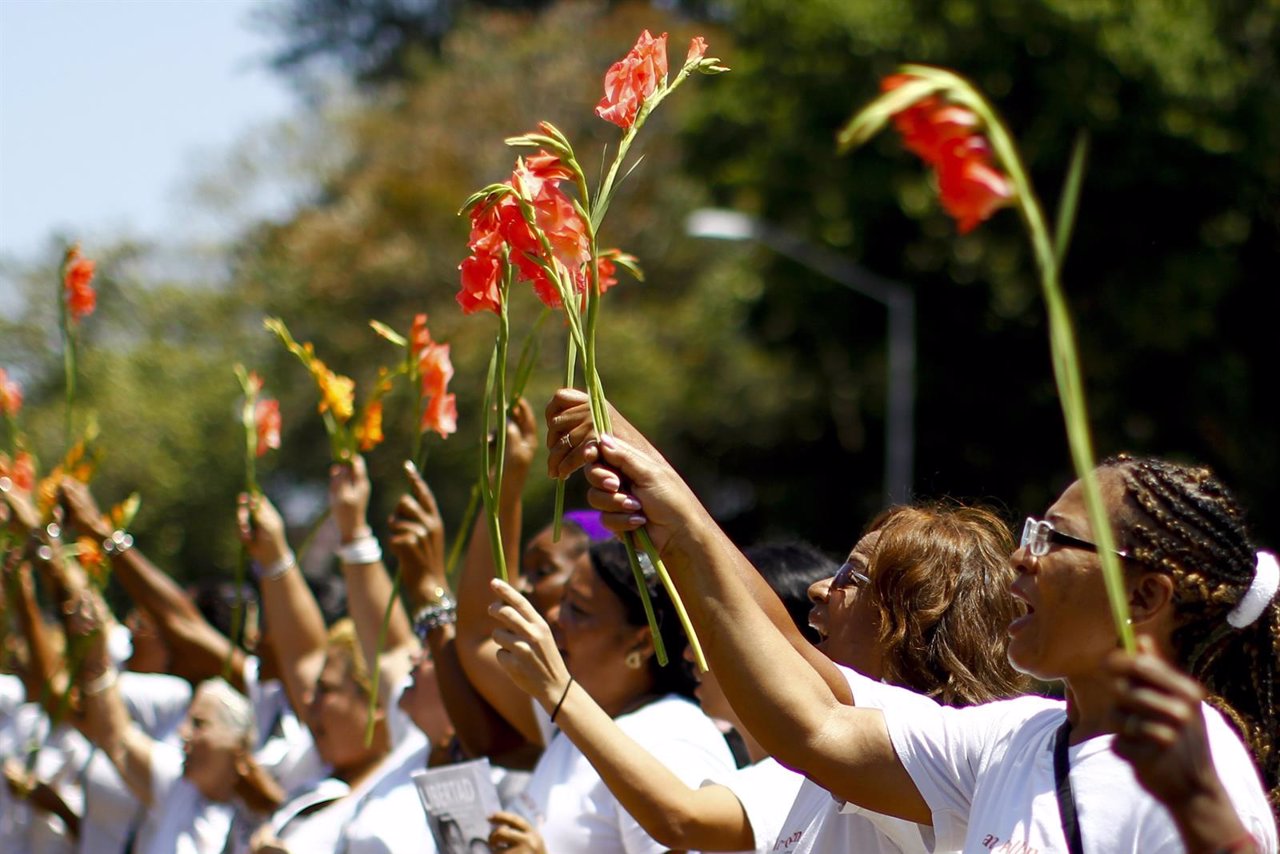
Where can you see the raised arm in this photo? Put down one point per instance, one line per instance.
(476, 649)
(683, 818)
(105, 719)
(417, 540)
(197, 649)
(368, 585)
(296, 624)
(799, 714)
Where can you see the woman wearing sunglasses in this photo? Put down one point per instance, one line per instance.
(1028, 774)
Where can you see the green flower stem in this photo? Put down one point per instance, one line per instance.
(464, 530)
(1066, 363)
(557, 521)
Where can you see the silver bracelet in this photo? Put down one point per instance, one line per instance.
(362, 550)
(118, 543)
(442, 612)
(104, 681)
(277, 569)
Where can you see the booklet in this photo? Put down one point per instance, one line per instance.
(458, 800)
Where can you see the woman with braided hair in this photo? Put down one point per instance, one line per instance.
(1029, 775)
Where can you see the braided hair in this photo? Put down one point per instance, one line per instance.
(1181, 520)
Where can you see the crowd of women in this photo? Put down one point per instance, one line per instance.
(945, 688)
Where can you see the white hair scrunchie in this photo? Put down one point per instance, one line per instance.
(1266, 580)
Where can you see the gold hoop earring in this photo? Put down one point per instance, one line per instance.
(633, 660)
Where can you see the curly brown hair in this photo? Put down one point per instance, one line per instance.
(941, 575)
(1181, 520)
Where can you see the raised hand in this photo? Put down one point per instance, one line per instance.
(522, 435)
(527, 649)
(417, 537)
(261, 529)
(81, 509)
(349, 490)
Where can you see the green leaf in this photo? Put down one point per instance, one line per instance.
(388, 333)
(868, 121)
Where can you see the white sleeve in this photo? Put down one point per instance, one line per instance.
(685, 740)
(945, 751)
(766, 791)
(156, 702)
(166, 770)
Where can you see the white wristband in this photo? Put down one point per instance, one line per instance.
(277, 569)
(102, 683)
(359, 551)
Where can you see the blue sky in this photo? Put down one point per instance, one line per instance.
(108, 108)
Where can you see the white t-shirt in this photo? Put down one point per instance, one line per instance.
(373, 817)
(765, 789)
(286, 748)
(157, 704)
(986, 773)
(575, 812)
(185, 821)
(820, 823)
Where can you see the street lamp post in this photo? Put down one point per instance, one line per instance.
(897, 298)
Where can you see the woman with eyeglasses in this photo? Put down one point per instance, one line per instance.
(1028, 774)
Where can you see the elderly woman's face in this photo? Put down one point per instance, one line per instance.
(211, 748)
(845, 616)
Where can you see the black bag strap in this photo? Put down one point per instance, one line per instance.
(1062, 780)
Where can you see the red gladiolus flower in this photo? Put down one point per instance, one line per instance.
(632, 79)
(481, 275)
(697, 49)
(946, 137)
(441, 415)
(971, 190)
(77, 285)
(266, 420)
(21, 470)
(435, 369)
(419, 335)
(10, 394)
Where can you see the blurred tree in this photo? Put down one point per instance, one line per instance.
(1178, 238)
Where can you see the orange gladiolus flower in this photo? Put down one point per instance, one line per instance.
(369, 431)
(441, 415)
(948, 138)
(77, 284)
(337, 393)
(89, 555)
(266, 420)
(10, 394)
(632, 79)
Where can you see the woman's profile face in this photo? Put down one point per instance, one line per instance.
(339, 713)
(545, 567)
(209, 748)
(845, 616)
(1067, 628)
(592, 632)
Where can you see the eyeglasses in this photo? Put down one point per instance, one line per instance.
(848, 576)
(1038, 535)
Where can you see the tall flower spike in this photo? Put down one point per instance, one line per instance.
(77, 285)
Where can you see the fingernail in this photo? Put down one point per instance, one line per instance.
(611, 483)
(410, 467)
(630, 503)
(638, 519)
(607, 441)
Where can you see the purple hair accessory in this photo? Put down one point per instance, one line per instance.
(588, 521)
